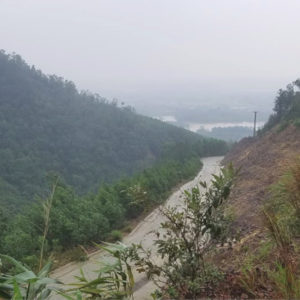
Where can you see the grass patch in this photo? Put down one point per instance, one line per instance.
(297, 122)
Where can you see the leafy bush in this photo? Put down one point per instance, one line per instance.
(114, 281)
(297, 122)
(25, 284)
(115, 236)
(185, 238)
(114, 278)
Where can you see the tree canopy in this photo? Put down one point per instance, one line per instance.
(110, 164)
(47, 126)
(286, 107)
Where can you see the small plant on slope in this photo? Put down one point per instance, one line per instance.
(115, 278)
(26, 285)
(279, 269)
(178, 267)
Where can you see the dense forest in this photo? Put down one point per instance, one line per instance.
(80, 220)
(47, 127)
(79, 163)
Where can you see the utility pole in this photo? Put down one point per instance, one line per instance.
(254, 128)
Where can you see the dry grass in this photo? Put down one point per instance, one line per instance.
(262, 162)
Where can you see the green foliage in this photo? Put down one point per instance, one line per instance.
(48, 126)
(282, 219)
(82, 220)
(286, 108)
(113, 164)
(276, 262)
(115, 235)
(25, 284)
(185, 238)
(47, 206)
(254, 271)
(284, 204)
(114, 281)
(297, 122)
(286, 281)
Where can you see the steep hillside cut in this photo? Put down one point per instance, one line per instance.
(258, 263)
(261, 160)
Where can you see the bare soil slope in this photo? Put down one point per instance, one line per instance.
(262, 160)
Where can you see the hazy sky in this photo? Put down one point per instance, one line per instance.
(174, 51)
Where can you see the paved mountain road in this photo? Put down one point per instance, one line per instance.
(143, 288)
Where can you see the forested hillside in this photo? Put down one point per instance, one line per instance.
(80, 166)
(47, 126)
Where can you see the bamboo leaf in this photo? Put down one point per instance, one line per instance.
(17, 292)
(15, 262)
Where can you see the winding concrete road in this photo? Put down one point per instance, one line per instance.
(143, 288)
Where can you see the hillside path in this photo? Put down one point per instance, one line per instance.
(143, 288)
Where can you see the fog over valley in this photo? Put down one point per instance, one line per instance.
(163, 57)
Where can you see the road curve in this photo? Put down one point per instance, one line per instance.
(143, 289)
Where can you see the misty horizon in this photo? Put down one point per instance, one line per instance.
(174, 53)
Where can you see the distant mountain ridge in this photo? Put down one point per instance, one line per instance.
(230, 134)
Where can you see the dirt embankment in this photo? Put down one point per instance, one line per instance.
(262, 160)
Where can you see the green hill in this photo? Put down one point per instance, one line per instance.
(113, 164)
(47, 126)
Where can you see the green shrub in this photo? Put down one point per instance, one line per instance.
(128, 228)
(182, 262)
(283, 125)
(115, 236)
(297, 122)
(77, 254)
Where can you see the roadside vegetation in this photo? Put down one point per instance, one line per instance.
(188, 235)
(179, 265)
(102, 164)
(73, 220)
(48, 127)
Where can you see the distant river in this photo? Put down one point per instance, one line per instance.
(209, 126)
